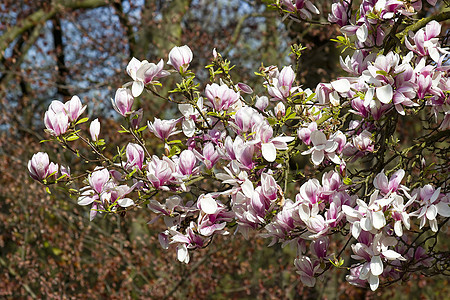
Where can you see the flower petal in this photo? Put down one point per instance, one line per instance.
(269, 151)
(376, 265)
(384, 93)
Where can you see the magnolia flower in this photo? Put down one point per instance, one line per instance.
(123, 101)
(163, 129)
(186, 162)
(322, 147)
(305, 133)
(160, 172)
(94, 130)
(98, 179)
(281, 87)
(135, 156)
(143, 73)
(431, 206)
(38, 166)
(56, 119)
(262, 102)
(381, 182)
(269, 145)
(374, 255)
(190, 116)
(221, 97)
(306, 269)
(74, 108)
(338, 13)
(180, 58)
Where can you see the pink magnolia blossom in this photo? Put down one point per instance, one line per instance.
(160, 172)
(98, 179)
(338, 13)
(163, 129)
(187, 162)
(38, 166)
(180, 58)
(307, 269)
(56, 119)
(123, 101)
(74, 108)
(135, 156)
(381, 182)
(269, 145)
(221, 97)
(143, 73)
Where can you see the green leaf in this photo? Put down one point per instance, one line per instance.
(57, 251)
(82, 121)
(142, 128)
(48, 190)
(347, 181)
(174, 142)
(72, 138)
(174, 150)
(381, 72)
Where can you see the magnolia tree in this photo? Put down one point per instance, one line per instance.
(230, 161)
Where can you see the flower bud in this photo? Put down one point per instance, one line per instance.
(94, 129)
(180, 58)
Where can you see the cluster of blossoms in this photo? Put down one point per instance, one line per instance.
(240, 146)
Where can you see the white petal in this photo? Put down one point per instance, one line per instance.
(362, 33)
(376, 265)
(368, 97)
(433, 225)
(188, 127)
(86, 200)
(392, 255)
(317, 157)
(269, 152)
(366, 225)
(125, 202)
(356, 230)
(334, 158)
(208, 205)
(378, 219)
(443, 209)
(349, 211)
(318, 137)
(435, 195)
(431, 212)
(341, 85)
(398, 228)
(247, 188)
(182, 253)
(373, 282)
(384, 93)
(137, 88)
(304, 212)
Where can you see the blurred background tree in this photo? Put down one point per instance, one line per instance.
(55, 49)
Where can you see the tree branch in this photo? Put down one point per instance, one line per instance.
(445, 15)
